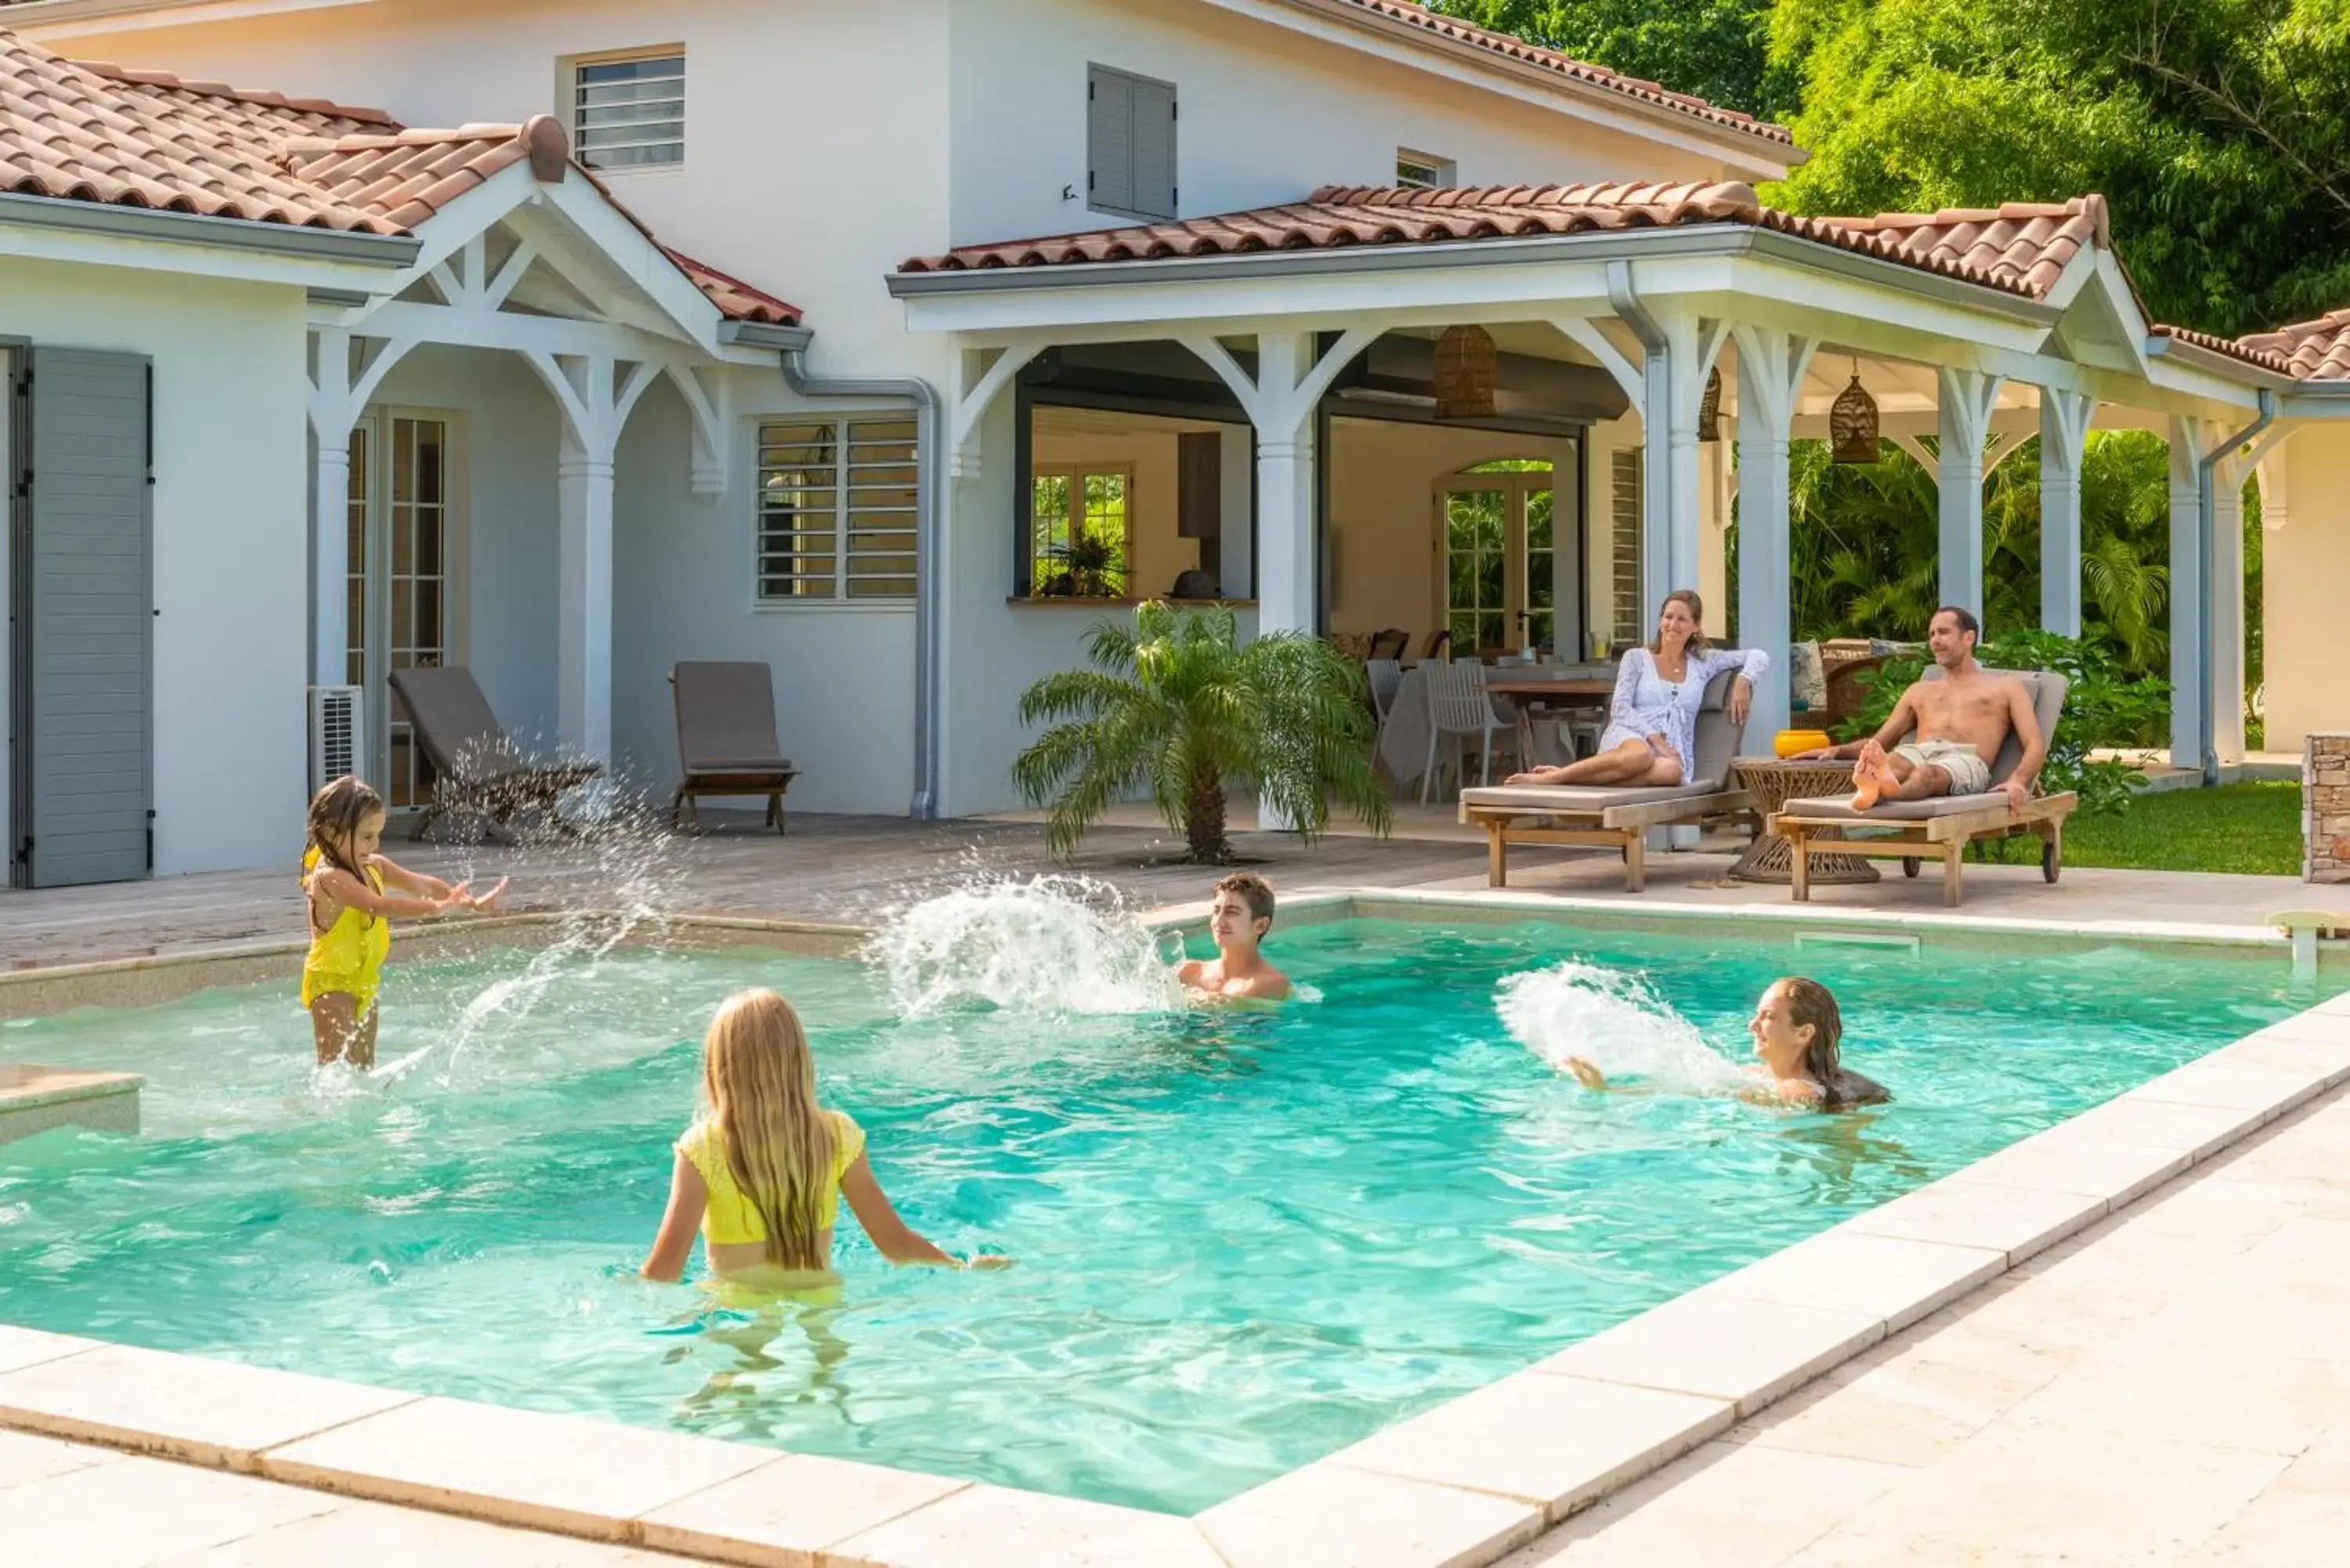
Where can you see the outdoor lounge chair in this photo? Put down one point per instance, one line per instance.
(726, 738)
(478, 770)
(1610, 817)
(1942, 827)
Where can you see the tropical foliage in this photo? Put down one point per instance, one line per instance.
(1176, 709)
(1865, 542)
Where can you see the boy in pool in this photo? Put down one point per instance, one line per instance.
(1239, 913)
(1797, 1029)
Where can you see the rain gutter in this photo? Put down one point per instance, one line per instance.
(929, 605)
(2207, 518)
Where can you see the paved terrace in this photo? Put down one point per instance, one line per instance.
(861, 870)
(2171, 1388)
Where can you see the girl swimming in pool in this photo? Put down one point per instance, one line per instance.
(1797, 1029)
(762, 1170)
(345, 883)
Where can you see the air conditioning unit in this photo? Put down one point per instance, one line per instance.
(337, 732)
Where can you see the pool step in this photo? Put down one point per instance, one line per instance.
(34, 1098)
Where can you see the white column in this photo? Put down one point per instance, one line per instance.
(1286, 578)
(1770, 370)
(2064, 431)
(1964, 407)
(2227, 594)
(595, 411)
(330, 549)
(2188, 703)
(584, 654)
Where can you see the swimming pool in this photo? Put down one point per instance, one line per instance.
(1244, 1240)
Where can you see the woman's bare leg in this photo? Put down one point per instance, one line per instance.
(1622, 765)
(361, 1054)
(1664, 771)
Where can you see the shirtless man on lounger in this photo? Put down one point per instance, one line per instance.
(1960, 723)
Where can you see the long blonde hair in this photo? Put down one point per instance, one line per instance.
(760, 1079)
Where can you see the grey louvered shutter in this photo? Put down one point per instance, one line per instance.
(1154, 149)
(1109, 138)
(85, 639)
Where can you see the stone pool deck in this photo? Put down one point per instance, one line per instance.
(2171, 1385)
(858, 870)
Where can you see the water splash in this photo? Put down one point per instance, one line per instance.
(1040, 945)
(1613, 1019)
(618, 878)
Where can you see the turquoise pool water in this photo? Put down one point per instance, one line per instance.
(1243, 1241)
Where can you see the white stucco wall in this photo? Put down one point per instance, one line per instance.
(1001, 648)
(844, 676)
(1264, 115)
(232, 542)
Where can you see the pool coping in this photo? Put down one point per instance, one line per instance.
(1457, 1486)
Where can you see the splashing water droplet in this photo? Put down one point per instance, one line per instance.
(1612, 1020)
(1049, 944)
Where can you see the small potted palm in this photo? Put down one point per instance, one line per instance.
(1174, 707)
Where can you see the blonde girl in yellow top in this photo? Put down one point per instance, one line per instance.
(762, 1170)
(345, 881)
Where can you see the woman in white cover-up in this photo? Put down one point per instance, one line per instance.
(1651, 731)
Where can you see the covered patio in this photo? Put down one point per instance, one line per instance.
(1628, 323)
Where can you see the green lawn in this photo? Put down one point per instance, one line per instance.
(2247, 827)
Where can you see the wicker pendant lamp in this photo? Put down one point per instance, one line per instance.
(1709, 407)
(1852, 423)
(1464, 374)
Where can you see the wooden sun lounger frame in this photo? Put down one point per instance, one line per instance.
(1914, 840)
(1622, 828)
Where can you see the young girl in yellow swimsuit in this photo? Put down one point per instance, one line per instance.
(344, 880)
(762, 1170)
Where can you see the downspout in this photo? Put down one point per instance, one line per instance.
(929, 604)
(2207, 520)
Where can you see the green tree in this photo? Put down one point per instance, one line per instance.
(1175, 707)
(1717, 49)
(2219, 131)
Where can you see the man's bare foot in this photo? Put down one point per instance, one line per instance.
(1869, 780)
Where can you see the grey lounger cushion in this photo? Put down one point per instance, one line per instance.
(1840, 807)
(1553, 798)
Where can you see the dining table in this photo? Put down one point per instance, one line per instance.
(1522, 693)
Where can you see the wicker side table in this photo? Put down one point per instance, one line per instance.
(1774, 782)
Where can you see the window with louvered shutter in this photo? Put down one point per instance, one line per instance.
(1129, 144)
(628, 111)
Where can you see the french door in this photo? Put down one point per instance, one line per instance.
(1497, 543)
(403, 583)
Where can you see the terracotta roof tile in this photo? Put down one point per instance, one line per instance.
(1407, 16)
(99, 132)
(2315, 351)
(2019, 249)
(91, 136)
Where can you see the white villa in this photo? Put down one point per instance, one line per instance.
(305, 393)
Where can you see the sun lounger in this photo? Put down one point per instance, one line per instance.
(726, 738)
(1941, 828)
(479, 770)
(1614, 818)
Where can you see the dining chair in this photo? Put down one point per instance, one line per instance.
(1458, 706)
(1386, 680)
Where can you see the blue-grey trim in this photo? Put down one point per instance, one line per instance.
(190, 229)
(1700, 240)
(2163, 346)
(930, 593)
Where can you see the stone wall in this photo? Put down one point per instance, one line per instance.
(2326, 806)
